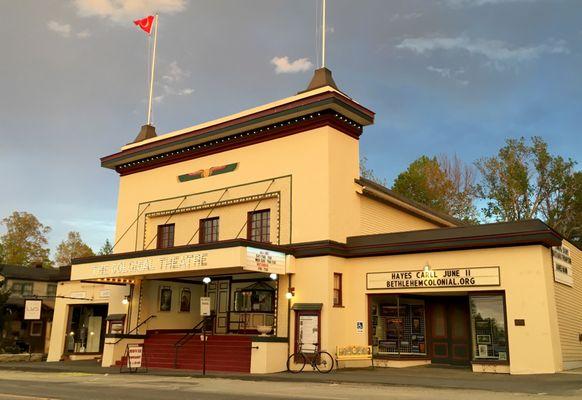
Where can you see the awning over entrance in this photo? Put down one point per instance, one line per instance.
(240, 254)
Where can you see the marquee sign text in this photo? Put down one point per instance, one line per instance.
(434, 278)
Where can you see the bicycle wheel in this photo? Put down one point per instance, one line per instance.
(296, 362)
(324, 362)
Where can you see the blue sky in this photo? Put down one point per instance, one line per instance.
(443, 76)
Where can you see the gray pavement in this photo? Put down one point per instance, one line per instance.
(428, 377)
(19, 385)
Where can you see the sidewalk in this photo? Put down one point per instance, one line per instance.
(567, 383)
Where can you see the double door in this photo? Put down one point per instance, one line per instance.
(449, 336)
(219, 293)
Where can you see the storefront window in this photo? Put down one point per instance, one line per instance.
(86, 328)
(488, 328)
(398, 326)
(258, 297)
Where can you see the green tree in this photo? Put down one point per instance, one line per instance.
(72, 247)
(106, 249)
(1, 253)
(574, 230)
(524, 181)
(25, 241)
(443, 184)
(368, 173)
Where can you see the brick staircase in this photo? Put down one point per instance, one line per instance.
(224, 353)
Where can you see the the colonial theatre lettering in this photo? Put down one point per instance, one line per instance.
(437, 278)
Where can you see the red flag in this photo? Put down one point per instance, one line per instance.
(145, 23)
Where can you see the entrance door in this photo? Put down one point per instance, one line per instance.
(449, 337)
(219, 291)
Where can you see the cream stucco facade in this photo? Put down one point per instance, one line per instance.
(298, 159)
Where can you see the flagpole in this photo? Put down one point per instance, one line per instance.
(323, 36)
(153, 71)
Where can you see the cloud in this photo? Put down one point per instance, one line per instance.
(478, 3)
(404, 17)
(62, 29)
(171, 78)
(497, 53)
(93, 224)
(83, 34)
(66, 31)
(122, 11)
(448, 73)
(175, 73)
(283, 66)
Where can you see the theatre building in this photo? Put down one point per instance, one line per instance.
(258, 229)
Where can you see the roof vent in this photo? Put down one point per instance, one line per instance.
(146, 132)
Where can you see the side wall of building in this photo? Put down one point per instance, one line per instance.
(376, 217)
(568, 304)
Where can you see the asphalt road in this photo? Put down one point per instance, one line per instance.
(20, 385)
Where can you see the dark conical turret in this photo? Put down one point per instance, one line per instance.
(321, 78)
(146, 132)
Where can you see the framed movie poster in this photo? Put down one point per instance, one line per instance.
(483, 351)
(415, 325)
(165, 298)
(392, 311)
(394, 328)
(185, 297)
(483, 339)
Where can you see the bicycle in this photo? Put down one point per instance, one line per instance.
(321, 361)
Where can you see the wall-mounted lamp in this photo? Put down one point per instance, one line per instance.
(125, 300)
(426, 267)
(206, 280)
(290, 294)
(273, 276)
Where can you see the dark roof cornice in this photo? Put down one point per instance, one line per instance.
(522, 233)
(351, 115)
(35, 274)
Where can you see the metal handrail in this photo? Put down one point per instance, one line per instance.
(199, 327)
(134, 329)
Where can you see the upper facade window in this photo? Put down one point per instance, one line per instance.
(51, 289)
(165, 236)
(22, 288)
(209, 230)
(259, 226)
(337, 290)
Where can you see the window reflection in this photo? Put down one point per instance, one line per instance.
(488, 328)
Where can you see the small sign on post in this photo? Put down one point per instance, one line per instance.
(32, 309)
(205, 306)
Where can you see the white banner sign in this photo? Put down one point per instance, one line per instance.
(204, 306)
(32, 309)
(562, 265)
(134, 355)
(434, 278)
(268, 261)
